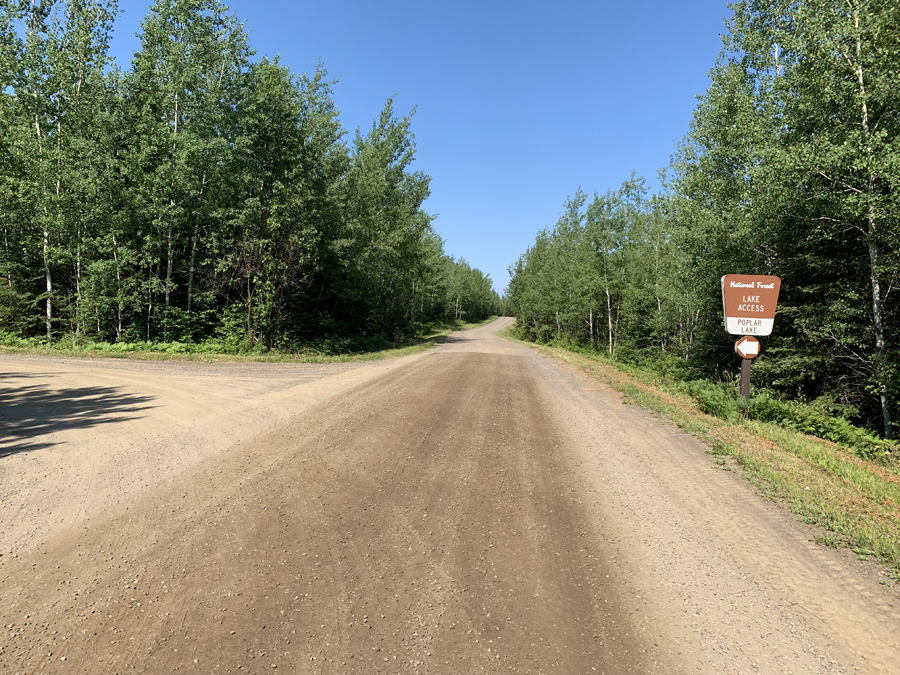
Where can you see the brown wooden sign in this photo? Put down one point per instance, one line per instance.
(750, 301)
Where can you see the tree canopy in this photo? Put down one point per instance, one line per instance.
(791, 167)
(202, 192)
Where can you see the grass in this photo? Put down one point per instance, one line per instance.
(181, 352)
(855, 500)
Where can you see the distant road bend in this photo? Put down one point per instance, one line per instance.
(473, 509)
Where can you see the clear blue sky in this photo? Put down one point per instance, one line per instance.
(518, 103)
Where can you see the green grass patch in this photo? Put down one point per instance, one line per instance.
(849, 488)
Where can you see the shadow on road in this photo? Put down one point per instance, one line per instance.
(451, 339)
(28, 413)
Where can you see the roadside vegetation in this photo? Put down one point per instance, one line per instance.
(201, 199)
(850, 486)
(355, 348)
(790, 168)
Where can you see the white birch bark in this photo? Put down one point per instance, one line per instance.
(871, 225)
(609, 320)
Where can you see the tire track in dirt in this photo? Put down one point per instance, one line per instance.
(737, 578)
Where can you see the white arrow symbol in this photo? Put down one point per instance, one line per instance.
(750, 348)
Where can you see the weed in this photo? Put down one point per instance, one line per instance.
(717, 447)
(830, 540)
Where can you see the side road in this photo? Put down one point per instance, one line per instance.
(80, 435)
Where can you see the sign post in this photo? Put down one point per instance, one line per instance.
(749, 302)
(748, 349)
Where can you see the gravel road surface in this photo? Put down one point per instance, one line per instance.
(472, 509)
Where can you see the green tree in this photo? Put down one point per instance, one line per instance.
(790, 168)
(200, 194)
(386, 230)
(53, 93)
(183, 90)
(289, 161)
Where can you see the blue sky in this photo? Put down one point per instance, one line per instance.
(518, 103)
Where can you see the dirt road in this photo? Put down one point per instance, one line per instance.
(473, 509)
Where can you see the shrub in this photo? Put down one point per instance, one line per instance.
(820, 418)
(719, 401)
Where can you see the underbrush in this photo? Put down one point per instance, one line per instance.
(819, 418)
(82, 344)
(342, 347)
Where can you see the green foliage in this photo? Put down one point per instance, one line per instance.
(715, 399)
(821, 418)
(788, 170)
(791, 167)
(203, 198)
(16, 311)
(14, 339)
(607, 276)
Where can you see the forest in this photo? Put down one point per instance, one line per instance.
(791, 167)
(204, 194)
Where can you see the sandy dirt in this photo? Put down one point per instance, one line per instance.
(473, 509)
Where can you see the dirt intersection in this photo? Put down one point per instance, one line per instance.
(472, 509)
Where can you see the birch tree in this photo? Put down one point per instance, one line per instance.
(53, 55)
(848, 54)
(183, 87)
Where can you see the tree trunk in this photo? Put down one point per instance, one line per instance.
(659, 324)
(8, 259)
(609, 320)
(591, 314)
(190, 288)
(78, 281)
(877, 308)
(169, 253)
(118, 290)
(250, 333)
(149, 297)
(48, 279)
(45, 234)
(880, 347)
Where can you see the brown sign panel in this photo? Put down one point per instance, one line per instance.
(750, 301)
(747, 347)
